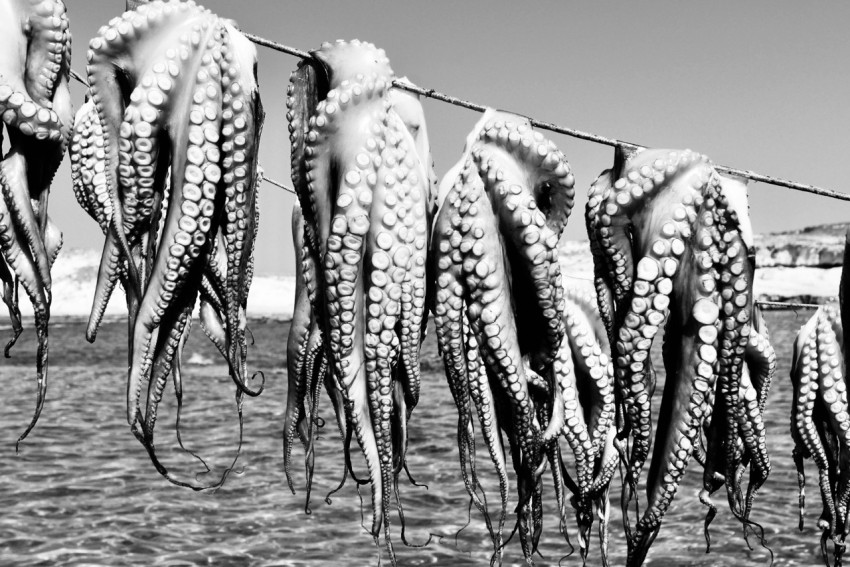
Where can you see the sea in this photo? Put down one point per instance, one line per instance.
(82, 491)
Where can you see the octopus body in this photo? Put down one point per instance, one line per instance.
(672, 248)
(307, 363)
(164, 158)
(526, 359)
(35, 107)
(364, 190)
(820, 415)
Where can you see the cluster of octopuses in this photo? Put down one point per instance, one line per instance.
(164, 159)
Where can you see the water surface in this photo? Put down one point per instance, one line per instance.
(82, 491)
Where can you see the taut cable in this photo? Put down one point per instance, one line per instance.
(436, 95)
(596, 138)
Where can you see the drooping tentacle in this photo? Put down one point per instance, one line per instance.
(296, 355)
(88, 162)
(187, 228)
(359, 179)
(162, 156)
(689, 364)
(502, 209)
(17, 235)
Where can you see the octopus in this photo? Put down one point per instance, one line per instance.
(820, 415)
(164, 159)
(363, 182)
(672, 246)
(307, 364)
(35, 106)
(525, 357)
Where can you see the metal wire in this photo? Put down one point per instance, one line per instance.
(436, 95)
(596, 138)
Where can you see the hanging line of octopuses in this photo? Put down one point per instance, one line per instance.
(164, 159)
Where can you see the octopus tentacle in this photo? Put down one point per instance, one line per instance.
(454, 339)
(17, 195)
(690, 361)
(89, 182)
(162, 155)
(514, 180)
(241, 110)
(805, 378)
(35, 108)
(359, 179)
(112, 65)
(480, 392)
(10, 290)
(48, 34)
(16, 239)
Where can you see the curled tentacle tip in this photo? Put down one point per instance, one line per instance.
(7, 352)
(243, 387)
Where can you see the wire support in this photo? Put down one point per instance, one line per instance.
(572, 132)
(786, 306)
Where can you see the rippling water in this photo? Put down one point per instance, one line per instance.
(82, 490)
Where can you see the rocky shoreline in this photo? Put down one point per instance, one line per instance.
(799, 266)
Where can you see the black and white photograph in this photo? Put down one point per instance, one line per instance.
(480, 283)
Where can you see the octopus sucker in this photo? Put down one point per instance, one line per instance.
(672, 247)
(501, 210)
(188, 222)
(363, 190)
(88, 161)
(164, 159)
(10, 298)
(36, 114)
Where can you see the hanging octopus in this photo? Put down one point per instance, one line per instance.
(672, 248)
(364, 191)
(35, 106)
(526, 358)
(820, 415)
(164, 158)
(307, 364)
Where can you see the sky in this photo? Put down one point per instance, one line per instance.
(760, 85)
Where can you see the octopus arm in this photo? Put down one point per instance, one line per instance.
(122, 49)
(296, 348)
(17, 196)
(806, 382)
(187, 226)
(48, 34)
(10, 298)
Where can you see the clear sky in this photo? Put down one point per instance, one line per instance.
(760, 85)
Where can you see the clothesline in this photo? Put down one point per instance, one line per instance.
(766, 305)
(432, 93)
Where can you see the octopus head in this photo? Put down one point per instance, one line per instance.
(348, 60)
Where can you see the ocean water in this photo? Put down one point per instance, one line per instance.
(83, 492)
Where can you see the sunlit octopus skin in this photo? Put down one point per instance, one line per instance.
(672, 247)
(499, 307)
(35, 107)
(307, 363)
(164, 158)
(363, 191)
(820, 416)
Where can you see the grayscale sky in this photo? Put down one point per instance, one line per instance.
(760, 85)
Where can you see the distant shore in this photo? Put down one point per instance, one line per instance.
(799, 266)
